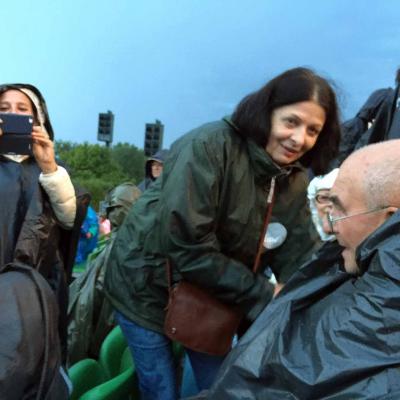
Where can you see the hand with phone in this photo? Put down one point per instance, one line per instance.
(18, 135)
(43, 150)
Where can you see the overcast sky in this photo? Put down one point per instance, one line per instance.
(186, 62)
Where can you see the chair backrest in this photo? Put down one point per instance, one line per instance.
(121, 387)
(85, 375)
(126, 361)
(111, 352)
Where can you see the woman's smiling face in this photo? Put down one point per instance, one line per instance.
(294, 131)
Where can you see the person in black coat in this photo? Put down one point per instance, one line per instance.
(41, 210)
(376, 121)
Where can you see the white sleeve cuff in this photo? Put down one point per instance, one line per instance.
(61, 193)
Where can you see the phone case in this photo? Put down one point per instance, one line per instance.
(16, 137)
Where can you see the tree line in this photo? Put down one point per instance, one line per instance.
(98, 168)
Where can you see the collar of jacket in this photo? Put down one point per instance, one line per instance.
(384, 241)
(263, 165)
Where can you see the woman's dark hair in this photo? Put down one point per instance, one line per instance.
(253, 114)
(397, 80)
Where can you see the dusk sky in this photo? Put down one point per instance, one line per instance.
(187, 62)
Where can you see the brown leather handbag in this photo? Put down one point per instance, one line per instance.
(198, 320)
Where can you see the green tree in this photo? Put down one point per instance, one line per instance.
(130, 159)
(92, 167)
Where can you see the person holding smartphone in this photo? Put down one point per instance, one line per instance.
(24, 177)
(40, 213)
(22, 100)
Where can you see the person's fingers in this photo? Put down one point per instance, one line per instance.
(40, 135)
(38, 128)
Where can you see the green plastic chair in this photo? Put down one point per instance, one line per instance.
(111, 352)
(123, 386)
(85, 374)
(116, 361)
(126, 360)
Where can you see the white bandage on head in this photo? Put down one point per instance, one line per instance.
(317, 184)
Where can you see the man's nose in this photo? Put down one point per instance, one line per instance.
(326, 226)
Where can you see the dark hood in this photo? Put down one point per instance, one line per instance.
(369, 109)
(119, 200)
(385, 243)
(160, 156)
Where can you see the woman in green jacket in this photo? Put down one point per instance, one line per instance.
(206, 211)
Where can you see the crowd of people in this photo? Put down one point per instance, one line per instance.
(229, 204)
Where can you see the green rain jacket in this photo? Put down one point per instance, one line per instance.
(206, 214)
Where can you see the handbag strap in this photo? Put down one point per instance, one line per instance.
(169, 274)
(270, 199)
(268, 214)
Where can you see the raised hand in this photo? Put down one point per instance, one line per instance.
(43, 150)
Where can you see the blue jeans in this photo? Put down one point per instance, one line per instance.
(152, 354)
(189, 386)
(205, 368)
(154, 362)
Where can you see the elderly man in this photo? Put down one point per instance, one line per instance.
(364, 195)
(334, 330)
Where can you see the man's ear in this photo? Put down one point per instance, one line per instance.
(390, 211)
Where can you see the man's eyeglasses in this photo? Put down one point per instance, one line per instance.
(333, 220)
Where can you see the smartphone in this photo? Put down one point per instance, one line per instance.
(16, 137)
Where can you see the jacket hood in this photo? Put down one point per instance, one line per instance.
(160, 156)
(369, 109)
(39, 104)
(385, 242)
(119, 201)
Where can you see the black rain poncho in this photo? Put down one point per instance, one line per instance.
(328, 335)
